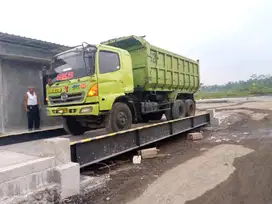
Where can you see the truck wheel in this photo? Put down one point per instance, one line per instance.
(72, 126)
(190, 107)
(119, 119)
(178, 109)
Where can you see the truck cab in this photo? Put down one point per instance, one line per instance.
(84, 83)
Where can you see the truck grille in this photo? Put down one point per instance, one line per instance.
(72, 97)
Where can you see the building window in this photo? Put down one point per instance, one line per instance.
(108, 62)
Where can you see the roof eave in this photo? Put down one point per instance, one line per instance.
(24, 58)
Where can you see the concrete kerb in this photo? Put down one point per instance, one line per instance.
(51, 165)
(66, 173)
(68, 177)
(45, 164)
(58, 148)
(213, 120)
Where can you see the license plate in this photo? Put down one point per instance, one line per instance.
(55, 90)
(62, 110)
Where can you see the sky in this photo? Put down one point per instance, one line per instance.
(231, 38)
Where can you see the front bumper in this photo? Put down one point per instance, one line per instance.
(76, 110)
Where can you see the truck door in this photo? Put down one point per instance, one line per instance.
(110, 78)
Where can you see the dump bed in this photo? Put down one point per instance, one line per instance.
(155, 69)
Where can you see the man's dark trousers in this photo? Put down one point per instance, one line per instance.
(33, 116)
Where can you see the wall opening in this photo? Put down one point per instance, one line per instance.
(44, 83)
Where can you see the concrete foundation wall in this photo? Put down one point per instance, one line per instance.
(16, 77)
(24, 177)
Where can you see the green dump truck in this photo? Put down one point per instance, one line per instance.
(120, 82)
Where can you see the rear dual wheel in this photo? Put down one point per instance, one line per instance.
(190, 107)
(177, 110)
(181, 109)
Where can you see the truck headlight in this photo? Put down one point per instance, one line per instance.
(86, 110)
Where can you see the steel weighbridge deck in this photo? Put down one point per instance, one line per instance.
(92, 150)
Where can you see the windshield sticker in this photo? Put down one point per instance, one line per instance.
(65, 76)
(83, 86)
(76, 86)
(66, 88)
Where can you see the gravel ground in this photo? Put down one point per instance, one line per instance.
(246, 129)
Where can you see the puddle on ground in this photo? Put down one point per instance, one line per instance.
(259, 133)
(267, 132)
(239, 136)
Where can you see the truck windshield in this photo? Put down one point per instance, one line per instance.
(70, 65)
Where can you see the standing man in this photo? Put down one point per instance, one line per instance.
(32, 107)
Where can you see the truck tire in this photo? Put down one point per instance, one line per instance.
(190, 107)
(178, 109)
(119, 119)
(72, 126)
(152, 116)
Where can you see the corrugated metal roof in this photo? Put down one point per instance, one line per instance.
(16, 39)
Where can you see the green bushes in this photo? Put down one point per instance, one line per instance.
(256, 85)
